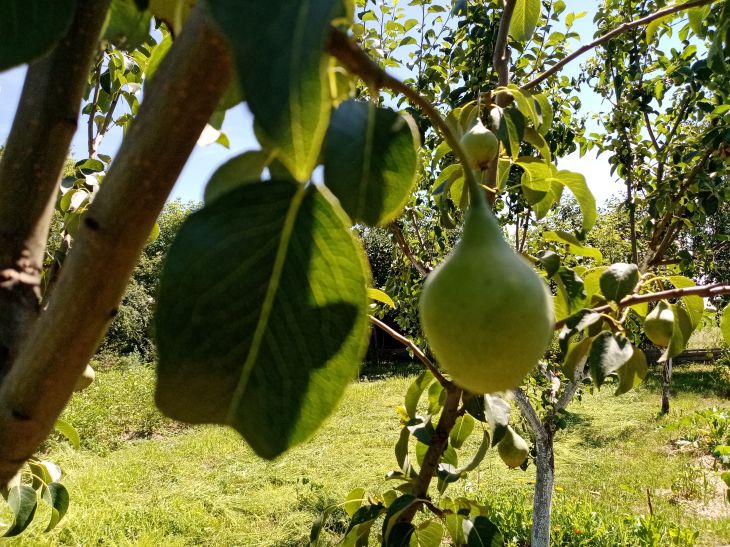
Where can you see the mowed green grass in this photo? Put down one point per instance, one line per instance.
(140, 479)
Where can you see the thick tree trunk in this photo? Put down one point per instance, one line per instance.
(542, 503)
(666, 384)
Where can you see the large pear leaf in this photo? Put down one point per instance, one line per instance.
(261, 318)
(23, 502)
(278, 46)
(524, 19)
(370, 161)
(609, 352)
(30, 28)
(632, 373)
(695, 305)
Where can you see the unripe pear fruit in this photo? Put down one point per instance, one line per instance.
(86, 379)
(513, 449)
(481, 145)
(486, 314)
(659, 324)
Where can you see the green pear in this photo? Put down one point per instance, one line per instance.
(86, 379)
(659, 324)
(513, 449)
(481, 145)
(486, 314)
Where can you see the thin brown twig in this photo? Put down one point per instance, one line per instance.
(430, 365)
(612, 34)
(406, 249)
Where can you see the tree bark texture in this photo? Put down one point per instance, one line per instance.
(542, 502)
(180, 99)
(33, 160)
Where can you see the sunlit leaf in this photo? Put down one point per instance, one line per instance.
(261, 314)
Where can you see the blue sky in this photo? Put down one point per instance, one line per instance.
(238, 127)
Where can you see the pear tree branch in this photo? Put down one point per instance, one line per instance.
(406, 249)
(414, 348)
(716, 289)
(181, 97)
(37, 147)
(621, 29)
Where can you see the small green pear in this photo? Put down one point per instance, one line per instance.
(480, 145)
(86, 379)
(486, 314)
(659, 324)
(513, 449)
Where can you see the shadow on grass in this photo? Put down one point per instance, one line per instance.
(686, 377)
(381, 370)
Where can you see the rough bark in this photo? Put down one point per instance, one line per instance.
(542, 502)
(179, 101)
(36, 150)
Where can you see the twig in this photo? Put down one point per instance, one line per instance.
(523, 403)
(716, 289)
(501, 49)
(191, 79)
(416, 350)
(612, 34)
(403, 244)
(92, 115)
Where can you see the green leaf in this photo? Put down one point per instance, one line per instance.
(56, 497)
(609, 352)
(427, 534)
(681, 331)
(511, 130)
(401, 451)
(68, 431)
(415, 390)
(482, 532)
(725, 324)
(23, 503)
(30, 28)
(353, 501)
(380, 296)
(462, 429)
(242, 169)
(575, 247)
(524, 19)
(695, 305)
(278, 47)
(632, 373)
(261, 314)
(127, 27)
(370, 161)
(545, 111)
(391, 518)
(497, 412)
(619, 280)
(576, 357)
(576, 183)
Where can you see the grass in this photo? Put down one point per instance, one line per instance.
(140, 479)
